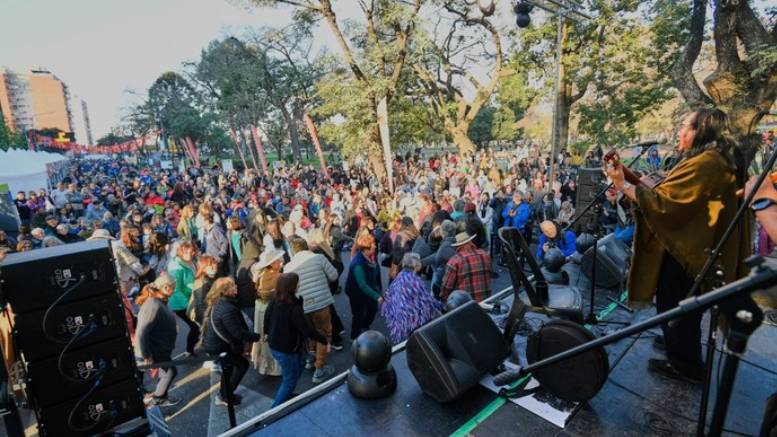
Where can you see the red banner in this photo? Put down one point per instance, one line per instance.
(133, 145)
(260, 150)
(314, 136)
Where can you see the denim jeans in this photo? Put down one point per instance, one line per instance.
(292, 366)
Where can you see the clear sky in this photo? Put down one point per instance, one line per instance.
(101, 48)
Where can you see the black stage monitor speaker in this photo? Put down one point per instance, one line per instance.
(449, 355)
(34, 280)
(611, 262)
(93, 412)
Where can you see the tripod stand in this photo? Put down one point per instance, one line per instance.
(596, 206)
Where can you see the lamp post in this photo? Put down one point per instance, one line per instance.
(562, 9)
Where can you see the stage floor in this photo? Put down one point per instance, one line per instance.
(633, 401)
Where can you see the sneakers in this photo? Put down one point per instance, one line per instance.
(236, 400)
(322, 374)
(167, 401)
(665, 368)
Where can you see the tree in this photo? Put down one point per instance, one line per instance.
(375, 54)
(744, 81)
(443, 62)
(8, 138)
(113, 138)
(611, 72)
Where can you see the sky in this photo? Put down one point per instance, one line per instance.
(102, 48)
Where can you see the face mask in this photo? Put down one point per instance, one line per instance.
(210, 272)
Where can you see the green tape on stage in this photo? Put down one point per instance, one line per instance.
(497, 403)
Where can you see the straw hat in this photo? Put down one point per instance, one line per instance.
(101, 234)
(462, 238)
(269, 256)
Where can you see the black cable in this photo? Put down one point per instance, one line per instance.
(92, 328)
(78, 404)
(53, 304)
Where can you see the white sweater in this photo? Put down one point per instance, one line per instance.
(315, 273)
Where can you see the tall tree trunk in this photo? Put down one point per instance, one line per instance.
(291, 122)
(460, 138)
(247, 142)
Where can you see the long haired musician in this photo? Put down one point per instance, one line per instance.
(675, 222)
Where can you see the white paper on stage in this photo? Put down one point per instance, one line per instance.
(541, 403)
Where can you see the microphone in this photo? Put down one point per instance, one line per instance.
(508, 376)
(648, 143)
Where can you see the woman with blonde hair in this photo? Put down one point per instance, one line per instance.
(186, 226)
(226, 332)
(269, 265)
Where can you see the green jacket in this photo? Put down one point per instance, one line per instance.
(184, 284)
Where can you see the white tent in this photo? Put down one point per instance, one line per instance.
(25, 170)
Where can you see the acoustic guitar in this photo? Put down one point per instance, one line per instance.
(650, 180)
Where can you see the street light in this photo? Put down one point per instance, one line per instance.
(561, 9)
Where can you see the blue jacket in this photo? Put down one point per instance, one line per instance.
(520, 218)
(566, 245)
(625, 234)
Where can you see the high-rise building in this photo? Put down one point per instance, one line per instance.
(34, 100)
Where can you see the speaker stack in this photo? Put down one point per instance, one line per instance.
(589, 184)
(71, 334)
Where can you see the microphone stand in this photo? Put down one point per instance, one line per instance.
(712, 258)
(596, 205)
(742, 314)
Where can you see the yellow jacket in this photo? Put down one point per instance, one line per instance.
(685, 215)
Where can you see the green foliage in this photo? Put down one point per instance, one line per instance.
(8, 138)
(113, 138)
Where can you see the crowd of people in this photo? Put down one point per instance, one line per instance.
(251, 263)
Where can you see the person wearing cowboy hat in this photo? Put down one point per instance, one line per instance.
(468, 270)
(267, 271)
(551, 236)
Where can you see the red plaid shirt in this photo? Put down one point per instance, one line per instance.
(469, 270)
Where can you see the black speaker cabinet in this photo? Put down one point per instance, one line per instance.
(94, 413)
(611, 262)
(78, 370)
(92, 320)
(34, 280)
(449, 355)
(589, 183)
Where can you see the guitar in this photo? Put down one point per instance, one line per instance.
(650, 180)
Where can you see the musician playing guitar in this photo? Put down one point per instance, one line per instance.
(676, 220)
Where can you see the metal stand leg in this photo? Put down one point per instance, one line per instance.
(705, 394)
(591, 319)
(226, 375)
